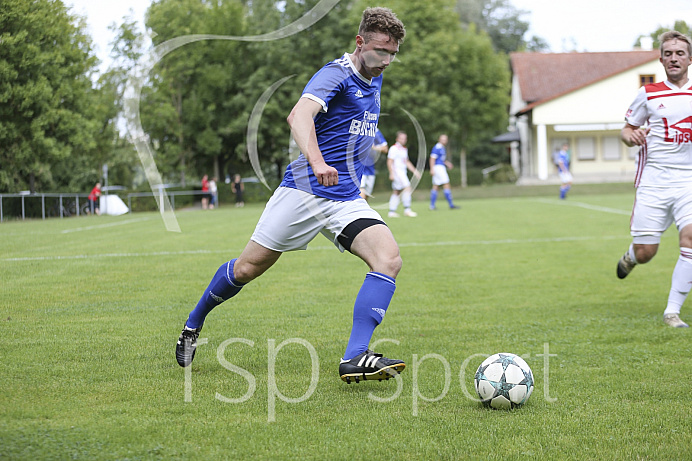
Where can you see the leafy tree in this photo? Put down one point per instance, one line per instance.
(186, 110)
(448, 77)
(503, 23)
(200, 96)
(680, 25)
(46, 111)
(298, 56)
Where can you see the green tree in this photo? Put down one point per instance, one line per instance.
(503, 23)
(450, 78)
(680, 25)
(186, 109)
(46, 111)
(298, 56)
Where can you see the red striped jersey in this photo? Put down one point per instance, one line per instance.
(666, 158)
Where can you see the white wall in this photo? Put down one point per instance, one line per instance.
(603, 102)
(596, 111)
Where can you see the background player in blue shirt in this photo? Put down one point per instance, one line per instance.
(438, 170)
(333, 124)
(367, 182)
(563, 171)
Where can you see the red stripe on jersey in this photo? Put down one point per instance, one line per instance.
(667, 95)
(663, 91)
(640, 165)
(654, 87)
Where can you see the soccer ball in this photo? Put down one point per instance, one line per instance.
(504, 381)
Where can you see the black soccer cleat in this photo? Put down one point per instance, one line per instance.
(369, 365)
(625, 266)
(186, 346)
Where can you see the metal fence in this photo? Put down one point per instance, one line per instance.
(171, 196)
(64, 206)
(69, 204)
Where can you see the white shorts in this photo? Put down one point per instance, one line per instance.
(440, 176)
(565, 177)
(292, 219)
(401, 180)
(656, 208)
(367, 183)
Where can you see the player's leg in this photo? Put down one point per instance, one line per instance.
(682, 277)
(448, 195)
(637, 253)
(231, 277)
(406, 201)
(285, 225)
(373, 242)
(394, 200)
(367, 183)
(566, 178)
(433, 196)
(227, 282)
(651, 216)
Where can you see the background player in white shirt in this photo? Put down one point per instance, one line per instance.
(367, 182)
(664, 169)
(438, 170)
(333, 123)
(398, 163)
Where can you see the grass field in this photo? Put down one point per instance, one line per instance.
(91, 307)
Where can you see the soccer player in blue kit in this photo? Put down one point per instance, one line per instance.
(367, 182)
(438, 169)
(333, 123)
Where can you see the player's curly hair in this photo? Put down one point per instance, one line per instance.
(381, 20)
(675, 35)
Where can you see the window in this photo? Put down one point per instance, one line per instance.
(586, 148)
(610, 146)
(646, 79)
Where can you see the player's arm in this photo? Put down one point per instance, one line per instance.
(633, 135)
(390, 167)
(449, 164)
(382, 148)
(302, 123)
(412, 168)
(432, 165)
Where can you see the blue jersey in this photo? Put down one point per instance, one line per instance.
(369, 162)
(439, 153)
(345, 129)
(563, 156)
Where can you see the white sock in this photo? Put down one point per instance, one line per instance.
(406, 199)
(393, 202)
(682, 280)
(631, 253)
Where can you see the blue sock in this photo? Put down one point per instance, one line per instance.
(433, 198)
(371, 304)
(448, 196)
(563, 191)
(222, 287)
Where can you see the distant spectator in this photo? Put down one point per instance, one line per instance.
(238, 189)
(94, 199)
(206, 195)
(214, 190)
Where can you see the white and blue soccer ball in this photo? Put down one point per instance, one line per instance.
(504, 381)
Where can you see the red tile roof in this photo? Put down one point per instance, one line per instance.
(545, 76)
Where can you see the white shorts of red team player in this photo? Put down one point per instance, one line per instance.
(656, 208)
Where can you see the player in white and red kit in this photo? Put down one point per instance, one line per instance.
(398, 165)
(664, 169)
